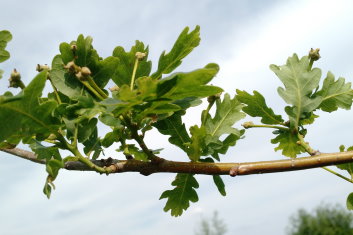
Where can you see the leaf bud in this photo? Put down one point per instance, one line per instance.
(85, 71)
(314, 54)
(15, 76)
(114, 88)
(140, 55)
(73, 48)
(247, 125)
(72, 67)
(40, 67)
(213, 98)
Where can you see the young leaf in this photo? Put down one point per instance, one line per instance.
(174, 127)
(256, 107)
(183, 193)
(126, 64)
(185, 43)
(5, 37)
(299, 83)
(335, 94)
(288, 144)
(228, 112)
(26, 116)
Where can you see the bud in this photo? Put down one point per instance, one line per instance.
(15, 76)
(247, 125)
(114, 88)
(71, 66)
(73, 48)
(314, 54)
(140, 55)
(40, 68)
(213, 98)
(85, 71)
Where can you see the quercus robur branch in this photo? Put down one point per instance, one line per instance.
(69, 117)
(233, 169)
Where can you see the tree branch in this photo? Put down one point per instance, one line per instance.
(233, 169)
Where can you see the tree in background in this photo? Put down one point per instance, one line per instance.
(325, 220)
(212, 226)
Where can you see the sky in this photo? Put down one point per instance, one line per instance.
(244, 38)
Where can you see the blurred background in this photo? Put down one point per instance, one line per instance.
(244, 38)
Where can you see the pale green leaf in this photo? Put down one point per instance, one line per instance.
(335, 93)
(228, 112)
(299, 83)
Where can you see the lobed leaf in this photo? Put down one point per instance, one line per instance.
(26, 116)
(174, 127)
(197, 142)
(185, 43)
(179, 198)
(299, 83)
(228, 112)
(124, 70)
(335, 94)
(256, 107)
(287, 142)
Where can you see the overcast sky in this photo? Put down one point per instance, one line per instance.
(244, 38)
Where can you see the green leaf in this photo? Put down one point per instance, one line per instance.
(185, 43)
(288, 144)
(26, 116)
(228, 112)
(84, 50)
(104, 70)
(110, 138)
(197, 142)
(123, 72)
(5, 37)
(183, 193)
(44, 152)
(174, 127)
(299, 84)
(350, 201)
(192, 84)
(86, 128)
(220, 184)
(335, 94)
(1, 73)
(64, 82)
(47, 189)
(67, 54)
(256, 107)
(229, 141)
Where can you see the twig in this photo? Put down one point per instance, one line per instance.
(247, 168)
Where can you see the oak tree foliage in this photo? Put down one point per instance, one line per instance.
(68, 117)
